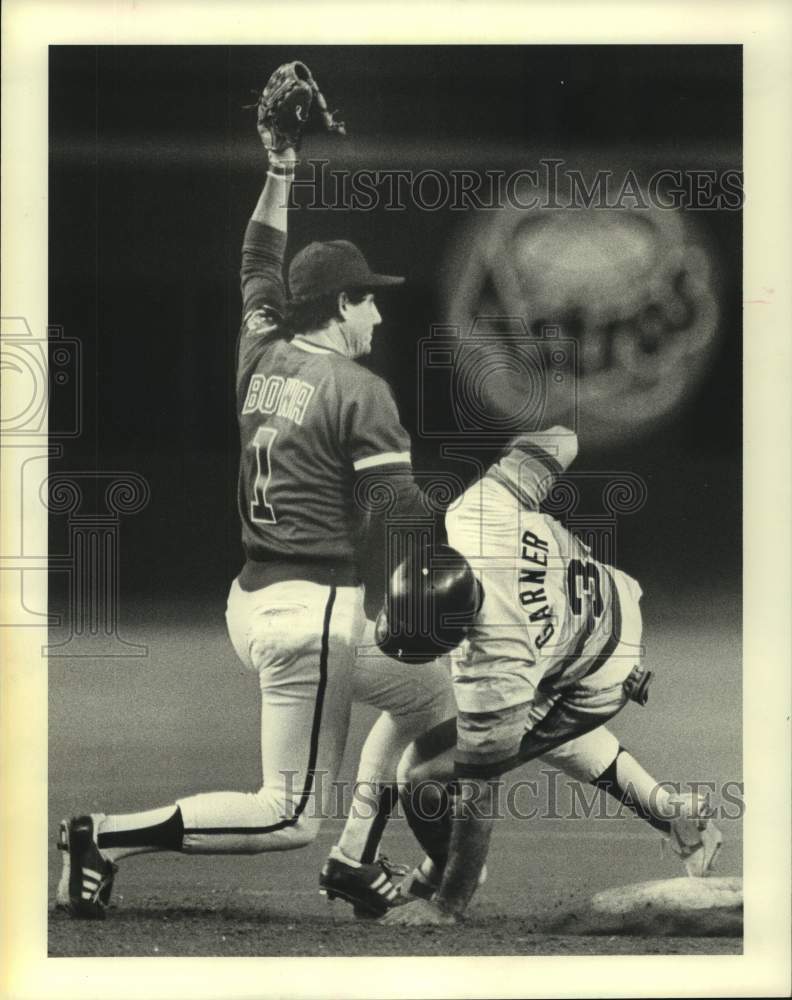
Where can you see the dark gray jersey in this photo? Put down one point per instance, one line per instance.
(310, 421)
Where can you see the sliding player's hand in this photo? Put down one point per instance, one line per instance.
(418, 913)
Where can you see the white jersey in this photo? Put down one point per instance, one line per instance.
(551, 613)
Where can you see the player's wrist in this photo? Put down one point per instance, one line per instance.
(284, 159)
(281, 168)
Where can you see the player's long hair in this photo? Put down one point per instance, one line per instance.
(315, 314)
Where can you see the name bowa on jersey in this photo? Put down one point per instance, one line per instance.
(275, 395)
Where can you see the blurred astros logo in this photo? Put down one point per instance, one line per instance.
(633, 288)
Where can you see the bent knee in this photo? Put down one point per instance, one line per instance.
(586, 757)
(295, 828)
(409, 761)
(431, 698)
(430, 757)
(305, 831)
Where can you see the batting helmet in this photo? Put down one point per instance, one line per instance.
(433, 597)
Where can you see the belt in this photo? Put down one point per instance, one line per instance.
(328, 573)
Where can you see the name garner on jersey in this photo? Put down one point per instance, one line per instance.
(534, 553)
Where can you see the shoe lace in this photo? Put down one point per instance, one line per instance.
(97, 892)
(392, 868)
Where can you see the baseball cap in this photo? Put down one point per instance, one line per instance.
(322, 268)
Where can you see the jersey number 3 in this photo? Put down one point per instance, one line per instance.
(260, 511)
(583, 581)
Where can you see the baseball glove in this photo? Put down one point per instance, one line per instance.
(284, 107)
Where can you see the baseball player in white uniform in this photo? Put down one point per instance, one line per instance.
(312, 421)
(554, 652)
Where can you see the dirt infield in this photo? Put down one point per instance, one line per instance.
(230, 933)
(156, 733)
(270, 906)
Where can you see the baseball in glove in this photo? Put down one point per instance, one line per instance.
(284, 107)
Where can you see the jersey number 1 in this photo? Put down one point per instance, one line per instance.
(260, 510)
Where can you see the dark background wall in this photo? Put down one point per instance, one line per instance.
(155, 168)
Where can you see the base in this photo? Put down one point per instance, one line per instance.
(683, 907)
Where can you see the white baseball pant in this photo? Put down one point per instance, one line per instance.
(314, 655)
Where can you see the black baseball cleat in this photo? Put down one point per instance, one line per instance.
(367, 886)
(87, 877)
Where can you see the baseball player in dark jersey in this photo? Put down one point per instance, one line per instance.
(312, 421)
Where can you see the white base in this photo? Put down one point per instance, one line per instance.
(684, 907)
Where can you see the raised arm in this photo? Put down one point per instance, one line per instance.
(264, 245)
(282, 113)
(530, 464)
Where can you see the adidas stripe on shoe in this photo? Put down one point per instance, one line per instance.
(367, 886)
(86, 880)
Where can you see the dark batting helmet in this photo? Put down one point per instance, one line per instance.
(433, 597)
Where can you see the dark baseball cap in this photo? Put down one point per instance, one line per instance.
(322, 268)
